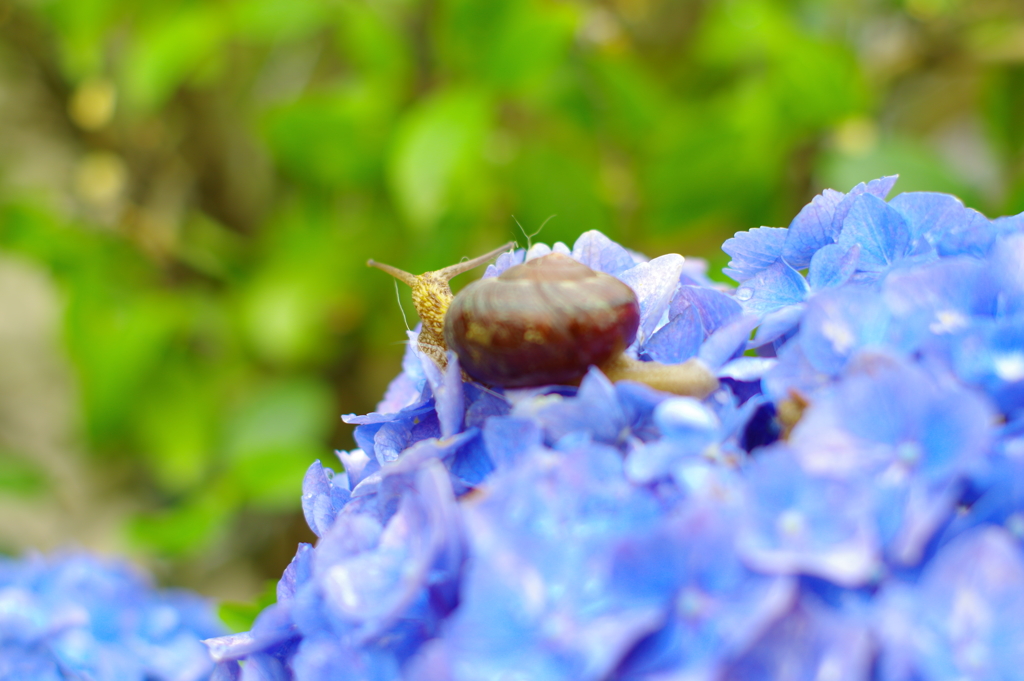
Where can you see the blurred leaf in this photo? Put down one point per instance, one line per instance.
(706, 162)
(177, 423)
(211, 248)
(550, 180)
(81, 25)
(510, 45)
(187, 528)
(292, 413)
(275, 434)
(117, 341)
(20, 477)
(438, 149)
(919, 169)
(170, 49)
(633, 101)
(332, 139)
(271, 478)
(238, 617)
(283, 312)
(277, 20)
(1004, 108)
(375, 44)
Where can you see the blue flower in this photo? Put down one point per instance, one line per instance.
(798, 523)
(75, 616)
(847, 505)
(964, 619)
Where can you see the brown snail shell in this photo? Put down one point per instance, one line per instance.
(543, 322)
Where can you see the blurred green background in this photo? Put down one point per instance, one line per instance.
(189, 191)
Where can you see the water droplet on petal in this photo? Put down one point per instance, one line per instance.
(744, 293)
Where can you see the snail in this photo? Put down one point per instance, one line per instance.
(546, 321)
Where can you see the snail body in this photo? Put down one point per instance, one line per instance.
(546, 321)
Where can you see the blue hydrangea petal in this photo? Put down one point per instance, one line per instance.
(727, 342)
(390, 441)
(688, 428)
(716, 309)
(963, 617)
(472, 462)
(402, 392)
(595, 409)
(879, 230)
(991, 356)
(938, 300)
(261, 667)
(272, 628)
(695, 273)
(682, 419)
(77, 616)
(598, 252)
(297, 573)
(402, 429)
(483, 404)
(537, 251)
(819, 223)
(504, 261)
(840, 322)
(812, 228)
(719, 606)
(678, 340)
(372, 575)
(777, 326)
(929, 214)
(323, 658)
(800, 524)
(1007, 262)
(747, 369)
(879, 188)
(508, 437)
(358, 466)
(449, 398)
(773, 288)
(753, 251)
(889, 412)
(318, 499)
(1001, 488)
(810, 641)
(462, 452)
(531, 601)
(654, 282)
(833, 265)
(227, 671)
(1009, 224)
(972, 235)
(910, 512)
(638, 402)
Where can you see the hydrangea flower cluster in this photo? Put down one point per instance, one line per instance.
(847, 506)
(76, 617)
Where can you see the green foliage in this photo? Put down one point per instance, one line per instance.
(254, 154)
(19, 477)
(239, 616)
